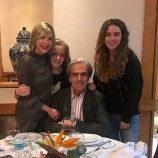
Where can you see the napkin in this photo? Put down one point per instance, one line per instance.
(140, 150)
(130, 150)
(4, 145)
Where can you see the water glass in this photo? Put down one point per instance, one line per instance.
(82, 148)
(18, 143)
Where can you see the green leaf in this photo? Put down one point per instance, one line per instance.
(72, 154)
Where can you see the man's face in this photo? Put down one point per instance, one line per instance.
(78, 78)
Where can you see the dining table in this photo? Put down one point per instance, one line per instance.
(96, 146)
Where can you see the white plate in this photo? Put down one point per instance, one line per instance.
(26, 137)
(29, 136)
(90, 138)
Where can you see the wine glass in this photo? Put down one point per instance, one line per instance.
(13, 132)
(68, 130)
(82, 148)
(13, 129)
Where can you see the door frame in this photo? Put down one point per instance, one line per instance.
(149, 70)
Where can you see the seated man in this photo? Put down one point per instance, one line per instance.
(79, 107)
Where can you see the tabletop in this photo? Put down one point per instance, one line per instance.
(102, 147)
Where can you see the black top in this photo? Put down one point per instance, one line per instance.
(123, 94)
(34, 71)
(60, 81)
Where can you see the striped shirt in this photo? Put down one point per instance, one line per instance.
(76, 106)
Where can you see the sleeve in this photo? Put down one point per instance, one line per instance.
(50, 124)
(26, 76)
(134, 87)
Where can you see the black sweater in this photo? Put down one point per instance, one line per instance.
(123, 94)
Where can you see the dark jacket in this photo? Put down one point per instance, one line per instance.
(95, 117)
(123, 94)
(33, 71)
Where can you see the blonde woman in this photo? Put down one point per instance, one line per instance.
(35, 72)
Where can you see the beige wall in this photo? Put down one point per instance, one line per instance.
(78, 22)
(14, 14)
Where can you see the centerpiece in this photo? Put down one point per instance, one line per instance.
(52, 144)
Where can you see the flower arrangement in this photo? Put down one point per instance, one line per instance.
(51, 144)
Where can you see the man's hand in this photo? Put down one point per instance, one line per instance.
(67, 123)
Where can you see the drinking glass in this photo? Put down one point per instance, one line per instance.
(13, 132)
(13, 129)
(83, 148)
(67, 129)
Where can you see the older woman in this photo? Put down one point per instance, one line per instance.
(35, 72)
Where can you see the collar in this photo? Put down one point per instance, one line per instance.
(74, 96)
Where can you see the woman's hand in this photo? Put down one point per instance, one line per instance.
(91, 86)
(124, 125)
(53, 113)
(22, 90)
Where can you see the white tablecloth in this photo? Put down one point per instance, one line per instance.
(114, 149)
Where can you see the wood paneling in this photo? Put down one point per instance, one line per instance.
(8, 84)
(156, 59)
(7, 109)
(147, 105)
(148, 53)
(1, 68)
(146, 119)
(149, 62)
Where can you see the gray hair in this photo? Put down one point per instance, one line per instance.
(80, 61)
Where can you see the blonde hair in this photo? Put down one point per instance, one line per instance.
(39, 30)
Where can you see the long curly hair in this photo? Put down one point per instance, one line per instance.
(104, 68)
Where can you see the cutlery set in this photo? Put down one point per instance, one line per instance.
(102, 145)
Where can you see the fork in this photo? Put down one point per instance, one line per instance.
(101, 146)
